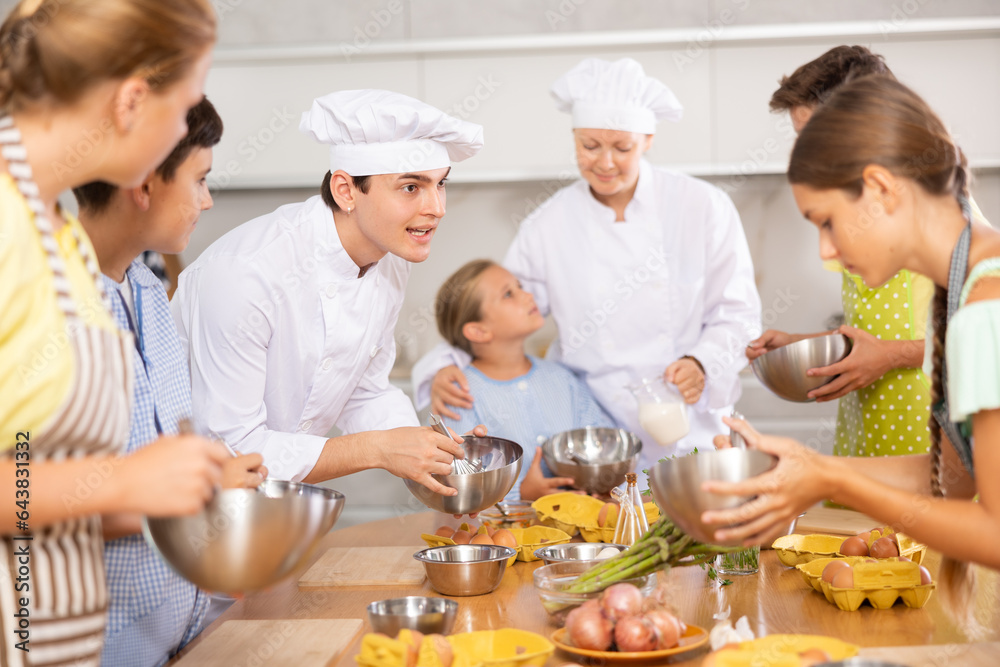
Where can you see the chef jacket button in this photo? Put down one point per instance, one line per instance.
(374, 351)
(327, 364)
(662, 338)
(609, 344)
(331, 290)
(541, 439)
(305, 425)
(522, 385)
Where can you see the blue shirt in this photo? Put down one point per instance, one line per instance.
(152, 611)
(529, 409)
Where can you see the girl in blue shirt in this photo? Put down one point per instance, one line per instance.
(482, 309)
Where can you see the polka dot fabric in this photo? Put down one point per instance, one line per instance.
(888, 417)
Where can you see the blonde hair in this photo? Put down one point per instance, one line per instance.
(877, 120)
(458, 303)
(56, 50)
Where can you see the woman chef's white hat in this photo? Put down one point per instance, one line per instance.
(382, 132)
(615, 96)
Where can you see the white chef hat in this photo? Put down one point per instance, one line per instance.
(382, 132)
(615, 96)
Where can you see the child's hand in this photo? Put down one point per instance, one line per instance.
(536, 485)
(244, 472)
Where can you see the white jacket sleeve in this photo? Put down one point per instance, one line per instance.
(427, 367)
(227, 340)
(732, 305)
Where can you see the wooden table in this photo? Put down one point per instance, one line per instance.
(775, 600)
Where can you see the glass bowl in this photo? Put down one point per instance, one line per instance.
(552, 580)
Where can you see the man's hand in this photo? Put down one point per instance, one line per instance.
(450, 387)
(689, 378)
(536, 484)
(416, 453)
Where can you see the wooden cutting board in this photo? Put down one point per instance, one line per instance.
(365, 566)
(935, 655)
(299, 642)
(833, 521)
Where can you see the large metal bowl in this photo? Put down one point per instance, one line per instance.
(676, 485)
(783, 370)
(501, 463)
(426, 615)
(465, 569)
(597, 458)
(245, 540)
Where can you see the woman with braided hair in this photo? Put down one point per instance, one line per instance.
(877, 173)
(78, 103)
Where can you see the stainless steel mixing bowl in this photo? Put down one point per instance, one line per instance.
(465, 569)
(245, 540)
(571, 551)
(676, 485)
(597, 458)
(783, 370)
(426, 615)
(501, 463)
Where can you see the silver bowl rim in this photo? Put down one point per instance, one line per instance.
(547, 553)
(448, 605)
(805, 342)
(520, 457)
(547, 445)
(505, 554)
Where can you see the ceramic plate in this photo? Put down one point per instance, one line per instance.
(694, 637)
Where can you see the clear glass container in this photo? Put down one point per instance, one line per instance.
(632, 523)
(663, 414)
(745, 561)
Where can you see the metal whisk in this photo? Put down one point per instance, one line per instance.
(458, 466)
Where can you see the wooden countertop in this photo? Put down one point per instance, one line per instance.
(775, 600)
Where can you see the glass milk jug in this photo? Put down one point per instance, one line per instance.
(662, 411)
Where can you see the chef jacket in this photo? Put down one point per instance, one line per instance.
(629, 298)
(285, 340)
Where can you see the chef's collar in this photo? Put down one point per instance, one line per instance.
(641, 198)
(337, 259)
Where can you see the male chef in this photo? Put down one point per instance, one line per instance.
(288, 319)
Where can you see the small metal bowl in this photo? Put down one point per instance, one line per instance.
(596, 457)
(585, 552)
(783, 370)
(501, 461)
(426, 615)
(465, 569)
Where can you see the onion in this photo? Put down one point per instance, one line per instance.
(588, 629)
(634, 634)
(668, 628)
(621, 600)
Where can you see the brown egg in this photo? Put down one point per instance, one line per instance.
(843, 579)
(883, 547)
(925, 575)
(607, 514)
(832, 568)
(505, 538)
(444, 531)
(461, 537)
(866, 535)
(490, 530)
(812, 657)
(854, 546)
(481, 539)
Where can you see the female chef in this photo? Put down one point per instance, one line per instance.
(645, 271)
(289, 318)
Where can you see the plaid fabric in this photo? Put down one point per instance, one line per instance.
(152, 612)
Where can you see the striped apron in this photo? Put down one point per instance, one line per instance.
(67, 593)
